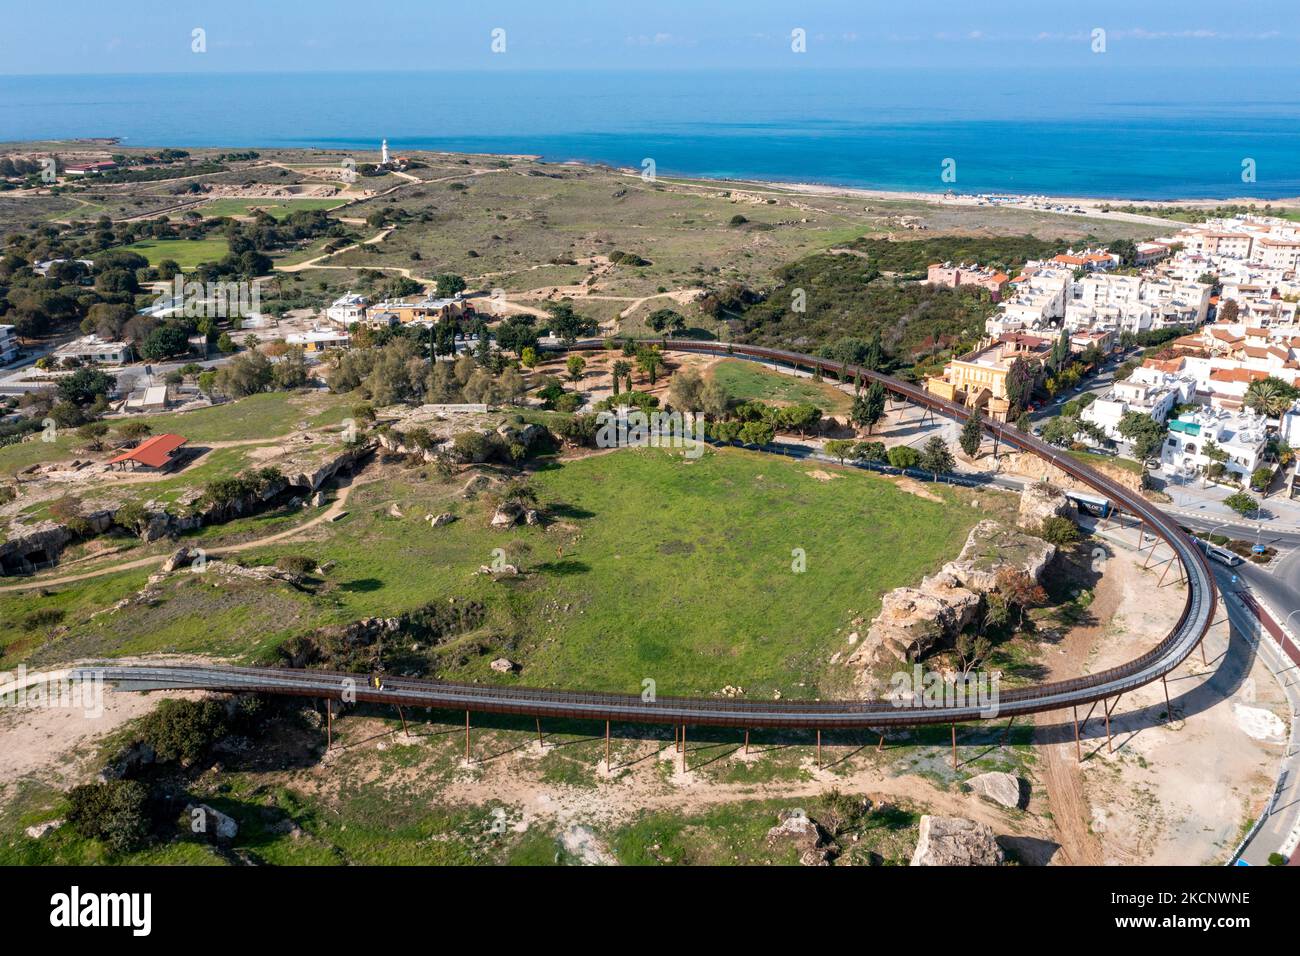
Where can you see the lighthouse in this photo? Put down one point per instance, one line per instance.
(383, 153)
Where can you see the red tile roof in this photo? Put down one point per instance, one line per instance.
(154, 452)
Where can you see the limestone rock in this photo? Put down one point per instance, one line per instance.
(507, 515)
(38, 830)
(214, 823)
(182, 558)
(795, 827)
(1040, 501)
(503, 665)
(437, 521)
(956, 841)
(1002, 788)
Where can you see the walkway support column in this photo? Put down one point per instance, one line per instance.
(1078, 751)
(819, 749)
(1169, 711)
(540, 745)
(405, 730)
(683, 748)
(607, 767)
(954, 746)
(467, 736)
(1106, 710)
(746, 741)
(329, 723)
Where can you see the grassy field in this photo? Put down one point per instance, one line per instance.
(267, 415)
(277, 208)
(746, 381)
(653, 566)
(186, 253)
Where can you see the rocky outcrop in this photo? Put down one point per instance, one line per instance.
(38, 830)
(794, 827)
(29, 546)
(437, 521)
(956, 841)
(1041, 501)
(990, 548)
(1002, 788)
(914, 620)
(504, 665)
(507, 515)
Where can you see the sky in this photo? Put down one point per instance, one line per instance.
(239, 36)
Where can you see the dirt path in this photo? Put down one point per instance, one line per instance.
(1062, 777)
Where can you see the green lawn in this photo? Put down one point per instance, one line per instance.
(277, 208)
(267, 415)
(186, 253)
(745, 380)
(653, 566)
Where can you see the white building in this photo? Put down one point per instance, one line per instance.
(319, 340)
(1241, 435)
(91, 348)
(1147, 390)
(8, 344)
(348, 309)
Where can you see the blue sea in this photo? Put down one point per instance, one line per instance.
(1108, 132)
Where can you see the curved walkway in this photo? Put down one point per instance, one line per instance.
(1198, 613)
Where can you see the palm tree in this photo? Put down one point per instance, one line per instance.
(1269, 396)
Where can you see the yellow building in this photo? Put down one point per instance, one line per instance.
(978, 379)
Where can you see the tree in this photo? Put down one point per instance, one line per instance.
(1021, 379)
(669, 319)
(245, 374)
(566, 324)
(83, 386)
(1242, 503)
(868, 407)
(936, 457)
(903, 456)
(1261, 478)
(1270, 396)
(870, 451)
(449, 285)
(92, 433)
(650, 361)
(714, 400)
(575, 365)
(972, 434)
(1023, 422)
(757, 433)
(1227, 311)
(164, 342)
(528, 357)
(841, 448)
(972, 651)
(1144, 432)
(619, 371)
(1021, 590)
(685, 390)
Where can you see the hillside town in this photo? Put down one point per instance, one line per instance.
(1213, 308)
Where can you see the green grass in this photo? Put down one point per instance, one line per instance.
(277, 208)
(266, 415)
(186, 253)
(1125, 464)
(674, 570)
(747, 381)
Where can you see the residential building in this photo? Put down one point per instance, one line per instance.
(1152, 392)
(1242, 436)
(978, 379)
(348, 309)
(91, 348)
(319, 340)
(946, 274)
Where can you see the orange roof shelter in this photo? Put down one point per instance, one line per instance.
(156, 452)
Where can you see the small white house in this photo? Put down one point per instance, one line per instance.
(348, 309)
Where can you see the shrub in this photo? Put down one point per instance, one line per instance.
(113, 812)
(183, 730)
(1058, 530)
(42, 618)
(903, 456)
(296, 564)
